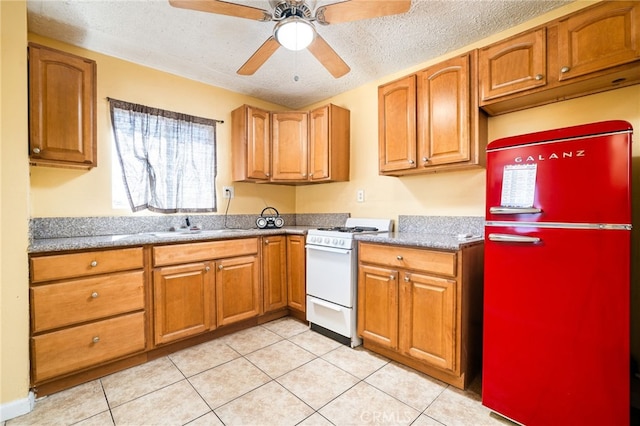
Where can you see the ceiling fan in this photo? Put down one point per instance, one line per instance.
(294, 27)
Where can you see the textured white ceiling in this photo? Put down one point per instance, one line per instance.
(210, 48)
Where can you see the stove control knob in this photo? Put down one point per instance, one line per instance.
(327, 240)
(341, 242)
(334, 241)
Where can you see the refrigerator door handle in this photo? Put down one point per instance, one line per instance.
(514, 210)
(510, 238)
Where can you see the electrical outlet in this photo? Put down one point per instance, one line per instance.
(228, 192)
(360, 196)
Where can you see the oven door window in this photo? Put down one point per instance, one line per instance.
(331, 274)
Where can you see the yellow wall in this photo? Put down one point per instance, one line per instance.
(14, 183)
(64, 192)
(59, 192)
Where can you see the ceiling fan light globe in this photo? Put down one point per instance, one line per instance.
(294, 33)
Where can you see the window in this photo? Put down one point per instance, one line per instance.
(167, 159)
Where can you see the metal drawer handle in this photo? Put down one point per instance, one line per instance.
(94, 295)
(509, 238)
(94, 263)
(399, 257)
(96, 339)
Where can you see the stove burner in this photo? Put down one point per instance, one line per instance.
(350, 229)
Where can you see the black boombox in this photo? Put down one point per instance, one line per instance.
(269, 221)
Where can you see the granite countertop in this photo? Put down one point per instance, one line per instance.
(424, 240)
(45, 245)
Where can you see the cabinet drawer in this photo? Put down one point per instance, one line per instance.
(72, 302)
(436, 262)
(198, 252)
(75, 348)
(72, 265)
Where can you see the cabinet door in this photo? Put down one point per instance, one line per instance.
(62, 105)
(237, 289)
(274, 280)
(397, 125)
(427, 319)
(513, 65)
(444, 113)
(289, 143)
(258, 143)
(596, 39)
(319, 144)
(251, 144)
(378, 305)
(296, 261)
(182, 301)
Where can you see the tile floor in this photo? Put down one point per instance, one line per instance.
(279, 373)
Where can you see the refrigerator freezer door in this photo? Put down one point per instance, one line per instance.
(574, 179)
(556, 326)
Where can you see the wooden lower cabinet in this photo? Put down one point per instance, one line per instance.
(183, 301)
(378, 305)
(296, 273)
(423, 308)
(274, 278)
(72, 349)
(87, 309)
(427, 317)
(237, 289)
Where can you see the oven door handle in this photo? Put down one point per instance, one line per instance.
(325, 305)
(329, 249)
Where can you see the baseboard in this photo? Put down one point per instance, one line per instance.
(17, 408)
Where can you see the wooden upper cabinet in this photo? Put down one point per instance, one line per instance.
(592, 50)
(598, 39)
(62, 109)
(329, 135)
(430, 121)
(289, 146)
(444, 113)
(397, 125)
(251, 141)
(513, 65)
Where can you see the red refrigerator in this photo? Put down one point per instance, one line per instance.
(557, 276)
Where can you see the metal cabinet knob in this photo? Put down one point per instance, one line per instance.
(266, 241)
(267, 174)
(407, 278)
(36, 150)
(96, 339)
(94, 295)
(392, 277)
(539, 77)
(425, 159)
(94, 263)
(564, 70)
(220, 267)
(207, 269)
(411, 162)
(399, 257)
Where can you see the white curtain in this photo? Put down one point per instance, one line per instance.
(168, 159)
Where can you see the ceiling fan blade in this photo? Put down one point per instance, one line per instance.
(260, 56)
(328, 57)
(223, 8)
(353, 10)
